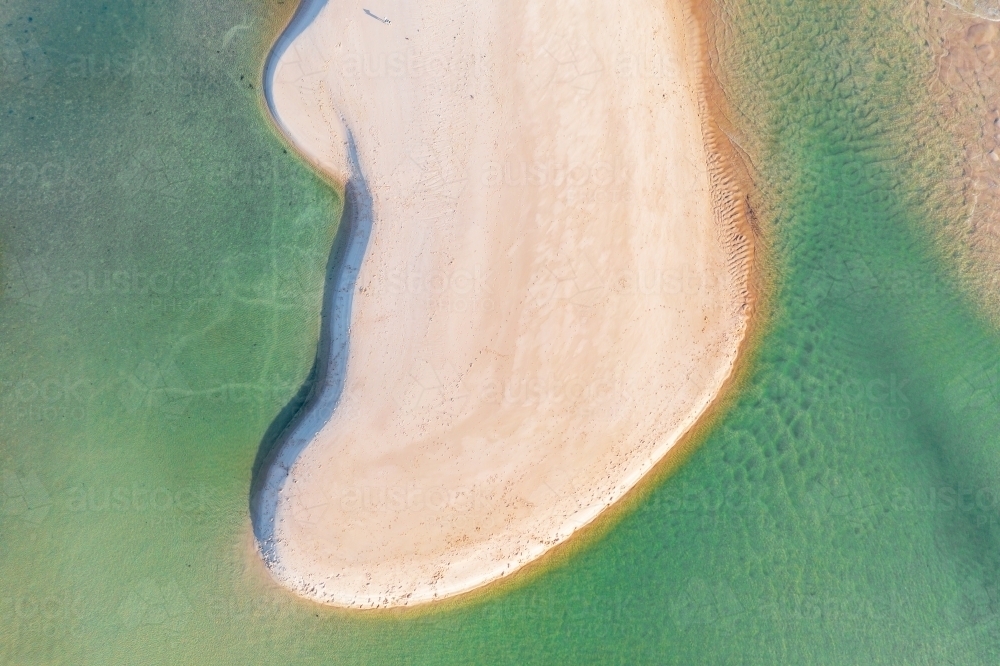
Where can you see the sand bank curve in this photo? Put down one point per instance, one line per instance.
(541, 288)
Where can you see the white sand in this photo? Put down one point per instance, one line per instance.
(548, 301)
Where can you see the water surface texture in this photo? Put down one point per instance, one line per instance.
(163, 263)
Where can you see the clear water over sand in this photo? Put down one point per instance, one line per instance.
(844, 510)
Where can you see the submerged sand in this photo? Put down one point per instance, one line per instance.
(542, 284)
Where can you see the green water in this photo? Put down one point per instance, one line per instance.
(163, 262)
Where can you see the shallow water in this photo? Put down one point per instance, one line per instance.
(163, 263)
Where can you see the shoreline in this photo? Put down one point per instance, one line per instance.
(729, 213)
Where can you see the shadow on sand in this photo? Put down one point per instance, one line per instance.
(311, 408)
(305, 415)
(304, 14)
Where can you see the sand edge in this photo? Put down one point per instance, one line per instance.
(734, 216)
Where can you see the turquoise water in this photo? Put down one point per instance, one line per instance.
(163, 261)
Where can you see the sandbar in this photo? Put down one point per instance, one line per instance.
(541, 283)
